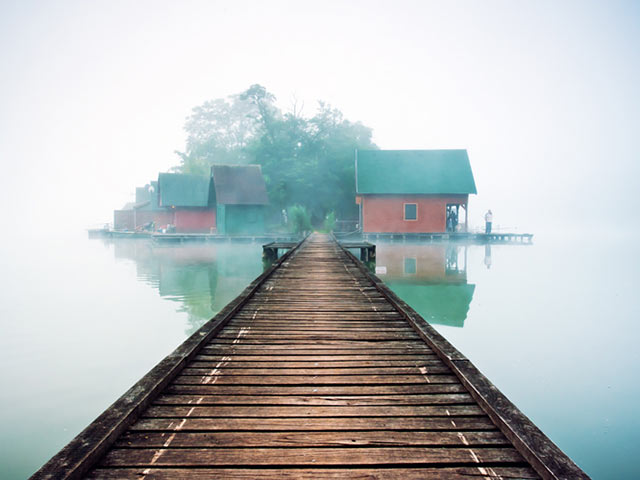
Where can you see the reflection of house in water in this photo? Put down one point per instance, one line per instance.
(430, 278)
(202, 278)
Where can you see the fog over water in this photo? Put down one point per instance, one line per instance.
(542, 94)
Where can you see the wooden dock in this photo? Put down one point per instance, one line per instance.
(317, 370)
(458, 237)
(270, 251)
(173, 238)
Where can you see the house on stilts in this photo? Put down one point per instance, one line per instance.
(413, 191)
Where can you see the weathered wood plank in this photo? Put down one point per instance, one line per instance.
(313, 390)
(228, 411)
(310, 439)
(345, 345)
(422, 473)
(304, 327)
(308, 456)
(206, 368)
(279, 350)
(314, 379)
(310, 424)
(276, 336)
(251, 357)
(202, 361)
(418, 399)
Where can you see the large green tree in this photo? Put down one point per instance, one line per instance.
(307, 161)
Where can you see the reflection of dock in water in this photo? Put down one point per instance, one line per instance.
(430, 278)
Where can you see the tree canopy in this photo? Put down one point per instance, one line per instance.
(306, 161)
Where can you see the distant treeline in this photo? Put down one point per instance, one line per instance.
(307, 161)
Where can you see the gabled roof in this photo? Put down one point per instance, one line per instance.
(181, 190)
(239, 185)
(414, 172)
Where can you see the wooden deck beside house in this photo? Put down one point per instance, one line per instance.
(316, 371)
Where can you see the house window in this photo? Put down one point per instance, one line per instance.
(410, 266)
(411, 211)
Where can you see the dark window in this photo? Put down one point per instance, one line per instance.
(410, 211)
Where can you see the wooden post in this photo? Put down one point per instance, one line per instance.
(466, 217)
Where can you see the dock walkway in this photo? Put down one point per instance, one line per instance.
(316, 371)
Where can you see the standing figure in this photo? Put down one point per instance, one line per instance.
(488, 219)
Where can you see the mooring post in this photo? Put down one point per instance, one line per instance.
(269, 254)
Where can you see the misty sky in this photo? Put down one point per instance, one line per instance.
(544, 95)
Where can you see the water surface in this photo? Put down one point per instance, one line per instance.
(553, 325)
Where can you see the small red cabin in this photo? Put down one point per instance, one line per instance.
(190, 198)
(413, 191)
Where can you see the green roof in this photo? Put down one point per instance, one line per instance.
(181, 190)
(414, 172)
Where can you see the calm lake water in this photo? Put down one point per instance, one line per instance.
(554, 325)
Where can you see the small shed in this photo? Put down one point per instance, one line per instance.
(413, 191)
(190, 199)
(241, 199)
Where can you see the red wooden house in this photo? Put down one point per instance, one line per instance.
(191, 199)
(413, 191)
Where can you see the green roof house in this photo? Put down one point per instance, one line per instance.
(190, 200)
(413, 191)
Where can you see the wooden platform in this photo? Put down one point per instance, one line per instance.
(171, 238)
(270, 251)
(459, 237)
(316, 371)
(217, 238)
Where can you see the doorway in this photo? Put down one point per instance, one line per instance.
(453, 221)
(453, 216)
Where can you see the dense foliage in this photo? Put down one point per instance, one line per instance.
(306, 161)
(299, 219)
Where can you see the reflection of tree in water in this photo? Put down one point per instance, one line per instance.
(202, 278)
